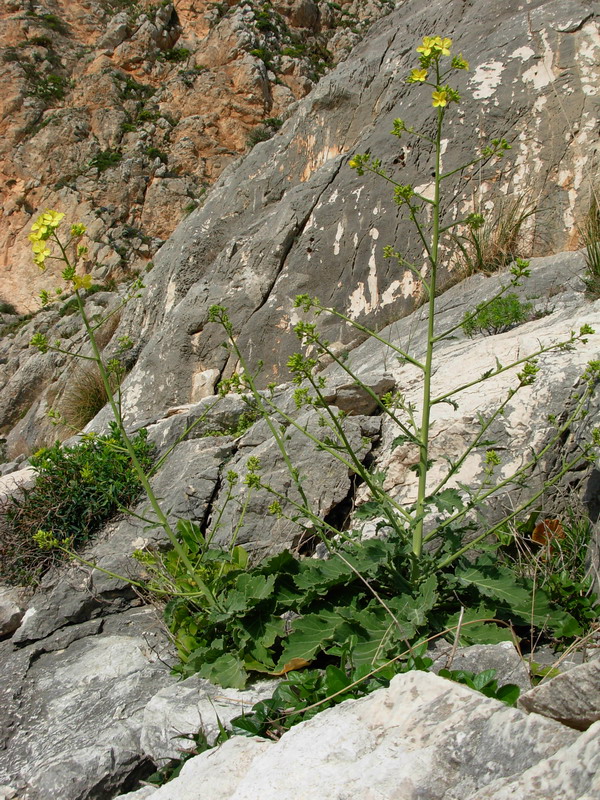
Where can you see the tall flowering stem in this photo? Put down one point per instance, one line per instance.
(43, 234)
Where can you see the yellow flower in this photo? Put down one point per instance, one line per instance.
(82, 281)
(418, 75)
(40, 253)
(439, 99)
(44, 225)
(442, 45)
(427, 46)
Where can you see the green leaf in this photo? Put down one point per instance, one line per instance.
(311, 633)
(448, 500)
(321, 575)
(520, 601)
(480, 632)
(509, 694)
(227, 671)
(368, 510)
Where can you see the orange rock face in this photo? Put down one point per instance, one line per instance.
(121, 113)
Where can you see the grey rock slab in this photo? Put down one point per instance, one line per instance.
(422, 737)
(325, 481)
(572, 698)
(572, 773)
(292, 218)
(191, 706)
(14, 482)
(459, 361)
(77, 710)
(503, 658)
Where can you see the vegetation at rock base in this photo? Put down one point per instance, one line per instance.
(590, 239)
(500, 315)
(77, 488)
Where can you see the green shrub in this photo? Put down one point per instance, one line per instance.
(50, 87)
(176, 55)
(76, 490)
(497, 316)
(7, 308)
(105, 159)
(154, 152)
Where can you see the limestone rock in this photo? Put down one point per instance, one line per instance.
(422, 737)
(13, 604)
(72, 727)
(191, 706)
(572, 698)
(501, 657)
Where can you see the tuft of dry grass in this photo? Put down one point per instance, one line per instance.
(499, 241)
(84, 397)
(589, 235)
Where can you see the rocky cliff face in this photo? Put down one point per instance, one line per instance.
(291, 217)
(122, 112)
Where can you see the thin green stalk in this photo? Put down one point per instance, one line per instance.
(116, 411)
(427, 375)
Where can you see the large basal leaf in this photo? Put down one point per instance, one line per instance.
(310, 635)
(376, 633)
(320, 575)
(414, 610)
(227, 671)
(525, 605)
(476, 632)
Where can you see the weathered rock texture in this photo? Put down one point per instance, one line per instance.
(291, 217)
(80, 682)
(573, 698)
(421, 737)
(121, 113)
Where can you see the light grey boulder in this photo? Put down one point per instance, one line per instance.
(14, 482)
(292, 218)
(502, 657)
(423, 737)
(572, 698)
(73, 714)
(13, 604)
(325, 482)
(191, 706)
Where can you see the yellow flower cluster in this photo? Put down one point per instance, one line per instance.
(41, 230)
(435, 46)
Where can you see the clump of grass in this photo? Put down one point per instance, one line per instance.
(499, 241)
(84, 397)
(589, 234)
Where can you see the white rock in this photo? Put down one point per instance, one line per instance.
(423, 737)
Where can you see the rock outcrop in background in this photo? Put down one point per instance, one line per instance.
(123, 112)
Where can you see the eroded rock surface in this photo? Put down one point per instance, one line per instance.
(422, 737)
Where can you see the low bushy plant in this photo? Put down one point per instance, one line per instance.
(499, 315)
(77, 488)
